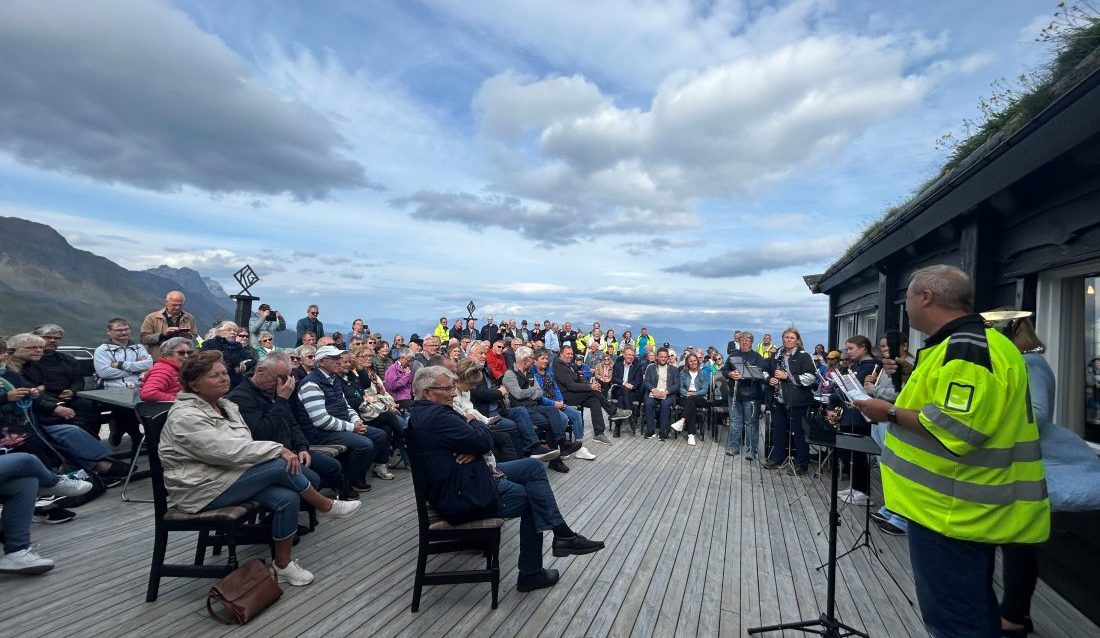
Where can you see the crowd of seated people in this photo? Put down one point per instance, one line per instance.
(246, 414)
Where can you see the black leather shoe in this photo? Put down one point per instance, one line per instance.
(542, 580)
(558, 465)
(361, 486)
(575, 546)
(569, 447)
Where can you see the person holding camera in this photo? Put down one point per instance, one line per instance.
(170, 321)
(264, 320)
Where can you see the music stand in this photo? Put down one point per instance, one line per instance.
(827, 624)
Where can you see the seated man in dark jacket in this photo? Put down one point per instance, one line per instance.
(439, 438)
(627, 377)
(579, 392)
(264, 402)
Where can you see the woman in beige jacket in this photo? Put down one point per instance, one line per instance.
(210, 460)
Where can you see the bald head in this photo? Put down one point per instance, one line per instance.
(173, 302)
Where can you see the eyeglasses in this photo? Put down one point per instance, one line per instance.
(308, 356)
(243, 335)
(448, 388)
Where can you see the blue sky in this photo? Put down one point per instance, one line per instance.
(662, 163)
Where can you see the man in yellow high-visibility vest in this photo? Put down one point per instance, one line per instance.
(961, 458)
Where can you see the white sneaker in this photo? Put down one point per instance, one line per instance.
(293, 574)
(844, 494)
(855, 497)
(340, 509)
(66, 487)
(678, 425)
(25, 562)
(584, 455)
(381, 471)
(691, 439)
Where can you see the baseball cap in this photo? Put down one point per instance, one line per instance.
(325, 352)
(833, 354)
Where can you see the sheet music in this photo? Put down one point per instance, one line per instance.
(849, 386)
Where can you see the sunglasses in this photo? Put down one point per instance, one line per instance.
(184, 353)
(265, 340)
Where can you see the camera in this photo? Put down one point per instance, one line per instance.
(271, 316)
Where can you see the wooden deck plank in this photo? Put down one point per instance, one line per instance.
(698, 544)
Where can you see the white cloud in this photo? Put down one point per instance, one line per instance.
(733, 129)
(134, 93)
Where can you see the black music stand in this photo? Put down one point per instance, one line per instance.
(827, 624)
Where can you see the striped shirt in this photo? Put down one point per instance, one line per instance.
(313, 400)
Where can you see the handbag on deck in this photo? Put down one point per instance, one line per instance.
(244, 592)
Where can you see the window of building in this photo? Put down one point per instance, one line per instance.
(867, 326)
(1092, 359)
(1067, 320)
(846, 327)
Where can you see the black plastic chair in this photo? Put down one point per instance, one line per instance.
(233, 525)
(437, 536)
(717, 405)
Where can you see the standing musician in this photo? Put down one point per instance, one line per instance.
(792, 374)
(744, 396)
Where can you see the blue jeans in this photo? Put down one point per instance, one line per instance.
(665, 409)
(328, 470)
(546, 417)
(77, 445)
(745, 416)
(783, 419)
(20, 477)
(573, 415)
(525, 492)
(361, 448)
(954, 583)
(878, 433)
(272, 486)
(525, 429)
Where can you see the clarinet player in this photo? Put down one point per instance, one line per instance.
(792, 377)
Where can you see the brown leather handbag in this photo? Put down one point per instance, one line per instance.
(244, 592)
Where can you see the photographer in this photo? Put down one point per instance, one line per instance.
(264, 320)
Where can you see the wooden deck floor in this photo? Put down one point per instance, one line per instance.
(698, 545)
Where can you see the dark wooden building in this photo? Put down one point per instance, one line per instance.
(1021, 215)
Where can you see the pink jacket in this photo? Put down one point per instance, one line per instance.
(162, 383)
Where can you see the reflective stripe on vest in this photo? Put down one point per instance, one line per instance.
(1024, 452)
(1003, 494)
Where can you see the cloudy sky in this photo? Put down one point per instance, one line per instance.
(675, 163)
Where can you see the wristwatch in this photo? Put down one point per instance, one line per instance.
(892, 415)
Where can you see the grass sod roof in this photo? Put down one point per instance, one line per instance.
(1077, 58)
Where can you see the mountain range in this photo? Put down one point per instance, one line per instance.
(44, 279)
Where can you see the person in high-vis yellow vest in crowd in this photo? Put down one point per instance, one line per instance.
(961, 460)
(442, 331)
